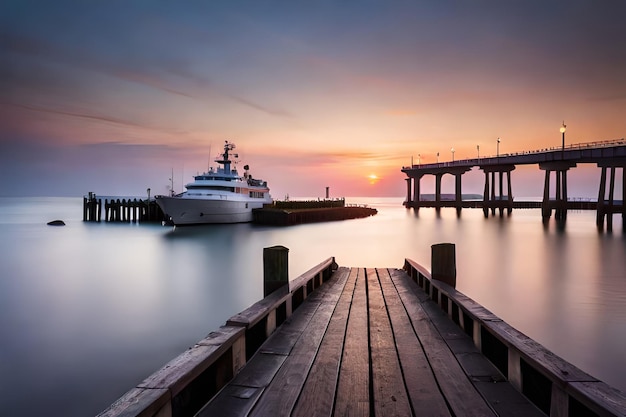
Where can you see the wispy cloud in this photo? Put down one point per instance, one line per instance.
(154, 74)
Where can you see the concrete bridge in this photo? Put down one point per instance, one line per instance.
(608, 155)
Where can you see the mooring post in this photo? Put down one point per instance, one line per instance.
(275, 269)
(443, 263)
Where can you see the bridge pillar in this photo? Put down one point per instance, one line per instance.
(409, 200)
(606, 208)
(438, 190)
(559, 204)
(458, 195)
(494, 201)
(416, 189)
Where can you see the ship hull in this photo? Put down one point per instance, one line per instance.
(188, 211)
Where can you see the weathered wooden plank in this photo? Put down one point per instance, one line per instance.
(390, 396)
(424, 394)
(532, 351)
(282, 393)
(310, 274)
(266, 363)
(183, 369)
(139, 402)
(260, 370)
(233, 401)
(253, 314)
(318, 394)
(612, 399)
(353, 386)
(240, 395)
(224, 335)
(506, 400)
(461, 395)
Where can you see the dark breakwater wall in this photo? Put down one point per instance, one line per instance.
(307, 204)
(283, 217)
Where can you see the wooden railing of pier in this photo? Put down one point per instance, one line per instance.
(389, 315)
(555, 386)
(190, 380)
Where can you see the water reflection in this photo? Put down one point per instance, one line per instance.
(134, 296)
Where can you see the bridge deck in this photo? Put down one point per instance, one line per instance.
(369, 342)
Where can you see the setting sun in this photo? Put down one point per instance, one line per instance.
(373, 178)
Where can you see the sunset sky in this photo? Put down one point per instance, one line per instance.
(111, 96)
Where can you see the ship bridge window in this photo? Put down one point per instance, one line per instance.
(256, 194)
(212, 178)
(209, 187)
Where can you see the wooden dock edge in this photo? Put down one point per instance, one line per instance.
(190, 380)
(554, 385)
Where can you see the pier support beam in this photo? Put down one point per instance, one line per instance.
(416, 189)
(608, 207)
(438, 177)
(559, 204)
(413, 188)
(494, 201)
(409, 200)
(413, 191)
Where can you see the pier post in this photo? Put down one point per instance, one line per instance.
(546, 210)
(624, 199)
(443, 263)
(601, 195)
(486, 195)
(494, 198)
(609, 219)
(438, 189)
(409, 200)
(416, 189)
(275, 269)
(509, 192)
(560, 200)
(458, 195)
(493, 192)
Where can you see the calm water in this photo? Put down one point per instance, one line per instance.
(89, 310)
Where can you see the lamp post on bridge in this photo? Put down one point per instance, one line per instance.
(562, 130)
(498, 148)
(437, 157)
(452, 150)
(478, 151)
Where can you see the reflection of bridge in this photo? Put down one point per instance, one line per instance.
(608, 155)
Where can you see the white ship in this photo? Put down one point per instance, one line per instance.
(217, 196)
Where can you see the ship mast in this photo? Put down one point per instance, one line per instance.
(225, 157)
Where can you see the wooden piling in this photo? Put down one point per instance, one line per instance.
(275, 269)
(443, 263)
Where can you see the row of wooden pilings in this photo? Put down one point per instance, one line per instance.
(121, 210)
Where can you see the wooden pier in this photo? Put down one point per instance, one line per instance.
(119, 209)
(369, 341)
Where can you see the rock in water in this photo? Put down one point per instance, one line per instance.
(56, 223)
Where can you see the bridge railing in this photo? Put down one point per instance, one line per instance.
(554, 385)
(486, 158)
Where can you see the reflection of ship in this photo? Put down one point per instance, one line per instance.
(217, 196)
